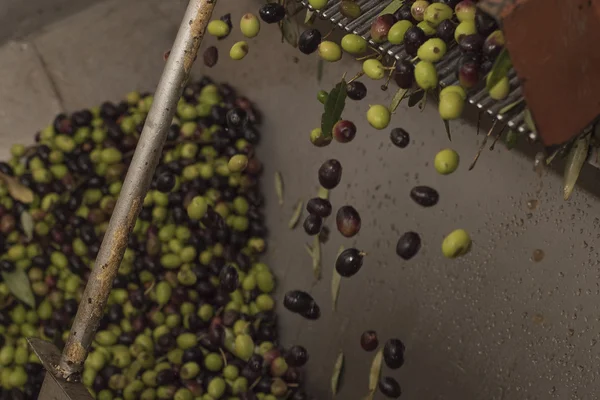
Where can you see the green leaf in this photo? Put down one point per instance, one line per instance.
(511, 139)
(17, 190)
(499, 70)
(296, 215)
(27, 224)
(337, 373)
(575, 161)
(447, 127)
(375, 371)
(398, 97)
(415, 97)
(289, 29)
(392, 7)
(510, 106)
(336, 280)
(323, 193)
(320, 65)
(529, 121)
(334, 106)
(19, 285)
(316, 258)
(310, 17)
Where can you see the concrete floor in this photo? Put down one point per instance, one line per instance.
(492, 325)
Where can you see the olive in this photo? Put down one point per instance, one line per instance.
(354, 44)
(239, 50)
(374, 69)
(389, 387)
(369, 340)
(404, 14)
(468, 74)
(7, 266)
(413, 39)
(399, 137)
(463, 29)
(445, 30)
(313, 312)
(493, 45)
(344, 131)
(165, 182)
(456, 244)
(236, 118)
(436, 13)
(404, 74)
(250, 25)
(424, 196)
(319, 206)
(312, 224)
(330, 51)
(378, 116)
(356, 90)
(272, 13)
(350, 9)
(398, 31)
(446, 161)
(465, 10)
(393, 353)
(418, 8)
(229, 279)
(408, 245)
(309, 41)
(330, 174)
(381, 26)
(348, 221)
(471, 43)
(500, 90)
(297, 301)
(484, 23)
(296, 356)
(218, 28)
(349, 262)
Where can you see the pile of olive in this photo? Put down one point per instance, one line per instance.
(191, 315)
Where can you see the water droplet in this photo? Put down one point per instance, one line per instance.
(538, 255)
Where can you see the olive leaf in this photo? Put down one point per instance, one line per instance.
(19, 285)
(334, 106)
(501, 67)
(575, 160)
(398, 97)
(296, 215)
(529, 120)
(392, 7)
(308, 249)
(27, 224)
(415, 97)
(510, 140)
(323, 193)
(310, 17)
(338, 369)
(320, 65)
(336, 280)
(316, 258)
(510, 106)
(375, 371)
(279, 187)
(447, 127)
(16, 190)
(289, 31)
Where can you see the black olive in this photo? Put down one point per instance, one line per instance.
(348, 221)
(312, 224)
(369, 340)
(296, 356)
(393, 353)
(236, 118)
(484, 23)
(330, 174)
(349, 262)
(313, 312)
(399, 137)
(404, 74)
(165, 182)
(230, 317)
(272, 12)
(227, 19)
(194, 354)
(6, 169)
(7, 266)
(389, 387)
(471, 43)
(408, 245)
(356, 90)
(264, 385)
(403, 13)
(424, 196)
(413, 39)
(319, 206)
(255, 363)
(309, 41)
(297, 301)
(165, 377)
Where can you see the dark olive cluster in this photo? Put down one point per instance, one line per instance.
(191, 314)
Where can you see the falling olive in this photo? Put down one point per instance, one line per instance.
(390, 387)
(348, 221)
(393, 353)
(424, 196)
(330, 174)
(408, 245)
(349, 262)
(369, 340)
(319, 206)
(312, 224)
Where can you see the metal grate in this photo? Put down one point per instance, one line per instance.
(446, 68)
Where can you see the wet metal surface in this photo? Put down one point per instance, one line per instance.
(489, 326)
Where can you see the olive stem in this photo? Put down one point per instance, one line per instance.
(485, 139)
(367, 57)
(328, 34)
(355, 77)
(384, 87)
(497, 137)
(414, 59)
(478, 122)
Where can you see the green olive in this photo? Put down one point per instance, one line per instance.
(417, 9)
(318, 139)
(218, 28)
(330, 51)
(354, 44)
(432, 50)
(398, 30)
(213, 362)
(463, 29)
(446, 161)
(451, 106)
(456, 89)
(237, 163)
(426, 75)
(317, 4)
(500, 89)
(373, 69)
(244, 346)
(322, 96)
(230, 372)
(216, 387)
(250, 25)
(239, 50)
(197, 208)
(436, 13)
(427, 28)
(456, 244)
(187, 341)
(378, 116)
(264, 302)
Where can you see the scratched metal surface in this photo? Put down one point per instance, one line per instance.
(493, 325)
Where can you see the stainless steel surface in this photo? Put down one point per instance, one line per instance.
(492, 325)
(145, 159)
(55, 388)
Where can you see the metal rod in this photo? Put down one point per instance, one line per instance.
(145, 159)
